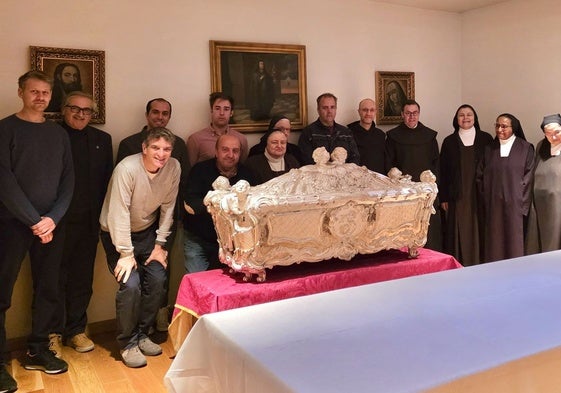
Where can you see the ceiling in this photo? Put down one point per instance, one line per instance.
(445, 5)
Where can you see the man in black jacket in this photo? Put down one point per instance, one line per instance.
(325, 132)
(369, 139)
(92, 154)
(200, 245)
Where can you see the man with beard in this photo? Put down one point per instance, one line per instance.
(262, 93)
(66, 80)
(369, 139)
(36, 183)
(136, 219)
(200, 245)
(412, 148)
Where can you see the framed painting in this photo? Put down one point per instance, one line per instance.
(71, 70)
(392, 89)
(264, 80)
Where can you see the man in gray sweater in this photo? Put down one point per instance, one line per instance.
(136, 219)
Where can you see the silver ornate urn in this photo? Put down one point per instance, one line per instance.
(317, 212)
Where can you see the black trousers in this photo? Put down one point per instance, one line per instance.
(76, 278)
(16, 239)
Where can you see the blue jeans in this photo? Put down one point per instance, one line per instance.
(137, 301)
(200, 254)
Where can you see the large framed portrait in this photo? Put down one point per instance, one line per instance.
(71, 70)
(264, 79)
(392, 89)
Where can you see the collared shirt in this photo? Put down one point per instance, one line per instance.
(201, 145)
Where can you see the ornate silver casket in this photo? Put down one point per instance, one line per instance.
(317, 212)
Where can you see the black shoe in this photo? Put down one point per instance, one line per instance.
(7, 383)
(45, 361)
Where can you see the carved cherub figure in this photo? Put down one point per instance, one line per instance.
(320, 156)
(221, 183)
(236, 203)
(397, 175)
(339, 155)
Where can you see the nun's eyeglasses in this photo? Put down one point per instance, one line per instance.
(552, 132)
(502, 126)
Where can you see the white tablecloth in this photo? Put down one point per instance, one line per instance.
(405, 335)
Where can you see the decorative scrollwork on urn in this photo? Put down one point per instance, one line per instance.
(327, 210)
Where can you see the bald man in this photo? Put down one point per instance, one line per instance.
(200, 245)
(369, 139)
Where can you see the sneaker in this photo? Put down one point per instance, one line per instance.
(55, 344)
(162, 319)
(148, 347)
(80, 342)
(45, 361)
(132, 357)
(7, 382)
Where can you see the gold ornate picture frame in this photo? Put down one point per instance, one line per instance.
(392, 89)
(84, 70)
(264, 80)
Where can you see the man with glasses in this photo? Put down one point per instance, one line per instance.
(92, 154)
(412, 148)
(369, 139)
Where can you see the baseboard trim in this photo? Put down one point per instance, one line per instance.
(110, 325)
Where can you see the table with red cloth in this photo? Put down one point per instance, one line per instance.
(217, 290)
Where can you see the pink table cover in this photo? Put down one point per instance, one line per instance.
(217, 290)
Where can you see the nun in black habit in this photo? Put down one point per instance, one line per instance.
(459, 155)
(504, 180)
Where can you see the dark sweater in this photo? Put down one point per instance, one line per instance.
(36, 171)
(199, 183)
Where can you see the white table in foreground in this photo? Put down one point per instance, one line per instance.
(405, 335)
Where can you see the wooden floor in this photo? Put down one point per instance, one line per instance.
(98, 371)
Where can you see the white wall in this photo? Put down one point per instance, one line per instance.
(161, 49)
(511, 62)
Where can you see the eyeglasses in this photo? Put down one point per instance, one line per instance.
(502, 126)
(77, 109)
(413, 114)
(552, 132)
